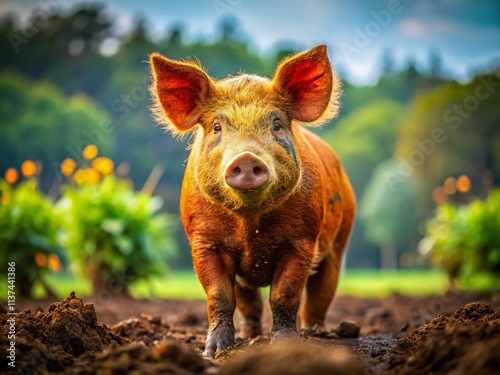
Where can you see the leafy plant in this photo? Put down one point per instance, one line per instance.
(466, 239)
(113, 234)
(28, 234)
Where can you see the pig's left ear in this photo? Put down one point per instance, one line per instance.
(309, 86)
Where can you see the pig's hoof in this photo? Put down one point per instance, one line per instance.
(220, 336)
(285, 336)
(250, 332)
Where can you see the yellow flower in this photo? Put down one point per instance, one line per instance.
(87, 176)
(11, 175)
(103, 165)
(68, 166)
(90, 152)
(80, 176)
(28, 168)
(92, 177)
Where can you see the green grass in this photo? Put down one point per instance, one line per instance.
(380, 283)
(360, 283)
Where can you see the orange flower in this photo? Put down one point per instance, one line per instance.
(463, 184)
(11, 175)
(28, 168)
(68, 166)
(103, 165)
(449, 186)
(439, 195)
(40, 259)
(90, 152)
(54, 263)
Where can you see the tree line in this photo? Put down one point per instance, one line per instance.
(71, 81)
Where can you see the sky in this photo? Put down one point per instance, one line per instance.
(465, 33)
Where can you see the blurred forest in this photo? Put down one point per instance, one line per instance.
(71, 81)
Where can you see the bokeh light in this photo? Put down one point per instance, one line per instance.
(463, 184)
(439, 195)
(450, 186)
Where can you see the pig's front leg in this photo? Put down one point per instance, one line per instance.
(288, 283)
(219, 288)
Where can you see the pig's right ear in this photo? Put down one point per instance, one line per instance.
(178, 89)
(309, 86)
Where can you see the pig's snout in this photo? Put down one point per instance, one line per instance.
(247, 172)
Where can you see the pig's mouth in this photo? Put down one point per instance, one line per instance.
(251, 194)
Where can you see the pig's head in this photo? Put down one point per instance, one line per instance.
(247, 141)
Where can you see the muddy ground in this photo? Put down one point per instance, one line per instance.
(453, 333)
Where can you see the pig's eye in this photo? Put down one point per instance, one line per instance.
(217, 127)
(277, 127)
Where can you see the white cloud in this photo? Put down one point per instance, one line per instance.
(413, 27)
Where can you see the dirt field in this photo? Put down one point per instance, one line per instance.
(455, 333)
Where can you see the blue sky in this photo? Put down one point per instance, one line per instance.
(465, 33)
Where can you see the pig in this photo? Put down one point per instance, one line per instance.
(264, 201)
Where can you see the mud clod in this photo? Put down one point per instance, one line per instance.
(50, 341)
(348, 330)
(145, 328)
(298, 359)
(168, 358)
(68, 339)
(465, 343)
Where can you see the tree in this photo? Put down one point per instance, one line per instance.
(40, 123)
(63, 48)
(365, 138)
(450, 131)
(390, 213)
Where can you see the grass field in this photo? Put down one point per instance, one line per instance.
(361, 283)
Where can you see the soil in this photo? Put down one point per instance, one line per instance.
(454, 333)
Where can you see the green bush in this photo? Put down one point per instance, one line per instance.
(115, 235)
(466, 239)
(27, 227)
